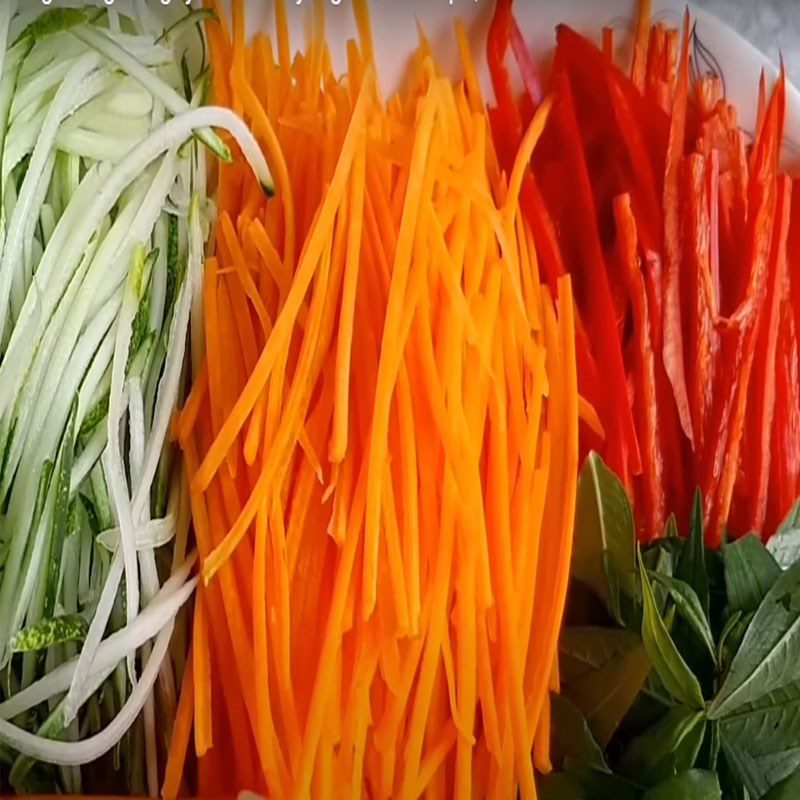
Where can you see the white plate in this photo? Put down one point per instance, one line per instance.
(395, 35)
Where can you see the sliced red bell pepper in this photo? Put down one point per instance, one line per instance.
(652, 515)
(673, 353)
(641, 41)
(702, 339)
(762, 400)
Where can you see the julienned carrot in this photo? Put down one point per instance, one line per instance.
(383, 489)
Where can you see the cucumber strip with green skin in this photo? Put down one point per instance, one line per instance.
(50, 631)
(172, 596)
(193, 18)
(61, 518)
(36, 556)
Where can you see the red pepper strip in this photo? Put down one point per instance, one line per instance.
(608, 43)
(639, 66)
(794, 252)
(631, 133)
(582, 60)
(624, 456)
(762, 103)
(745, 318)
(645, 399)
(709, 93)
(531, 78)
(713, 218)
(785, 466)
(761, 205)
(676, 482)
(763, 394)
(505, 118)
(673, 330)
(702, 344)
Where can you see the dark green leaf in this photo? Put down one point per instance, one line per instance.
(745, 770)
(666, 749)
(692, 785)
(584, 649)
(676, 676)
(787, 789)
(603, 672)
(691, 566)
(768, 656)
(582, 783)
(603, 524)
(688, 605)
(571, 737)
(731, 637)
(750, 571)
(767, 725)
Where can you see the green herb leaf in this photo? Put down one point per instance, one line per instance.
(731, 637)
(787, 789)
(688, 605)
(603, 526)
(768, 656)
(691, 566)
(750, 572)
(583, 783)
(572, 738)
(692, 785)
(665, 749)
(676, 676)
(603, 671)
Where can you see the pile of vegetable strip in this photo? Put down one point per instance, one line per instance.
(677, 230)
(381, 443)
(102, 220)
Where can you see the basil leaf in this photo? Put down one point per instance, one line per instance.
(688, 605)
(768, 656)
(787, 789)
(750, 571)
(691, 565)
(603, 525)
(571, 737)
(692, 785)
(676, 676)
(666, 749)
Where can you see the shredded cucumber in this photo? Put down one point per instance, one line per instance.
(104, 144)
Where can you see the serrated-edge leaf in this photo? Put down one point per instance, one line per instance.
(676, 676)
(768, 655)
